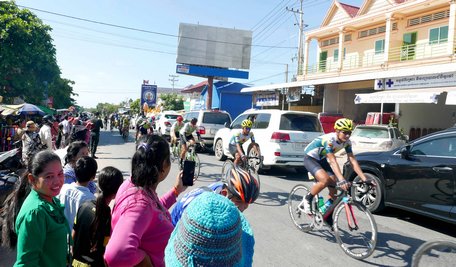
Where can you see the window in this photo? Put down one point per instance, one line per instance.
(336, 55)
(438, 35)
(298, 122)
(262, 121)
(216, 118)
(373, 132)
(442, 147)
(237, 122)
(379, 46)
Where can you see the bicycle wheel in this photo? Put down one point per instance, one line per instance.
(301, 220)
(355, 229)
(435, 253)
(227, 167)
(254, 154)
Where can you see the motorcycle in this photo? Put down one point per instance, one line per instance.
(10, 166)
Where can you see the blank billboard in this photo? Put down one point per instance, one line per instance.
(214, 46)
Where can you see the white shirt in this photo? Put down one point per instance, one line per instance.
(72, 196)
(66, 127)
(46, 136)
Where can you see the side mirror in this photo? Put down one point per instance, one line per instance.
(227, 125)
(405, 152)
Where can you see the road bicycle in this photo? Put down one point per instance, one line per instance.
(355, 229)
(251, 163)
(435, 253)
(125, 133)
(191, 154)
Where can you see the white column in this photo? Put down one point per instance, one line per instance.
(341, 49)
(306, 56)
(387, 37)
(451, 27)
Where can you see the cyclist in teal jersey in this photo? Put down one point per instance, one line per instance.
(238, 139)
(320, 161)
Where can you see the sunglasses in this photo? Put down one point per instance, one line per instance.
(347, 132)
(247, 128)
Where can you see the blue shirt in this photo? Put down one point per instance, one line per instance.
(182, 204)
(70, 177)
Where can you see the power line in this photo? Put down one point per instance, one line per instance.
(140, 30)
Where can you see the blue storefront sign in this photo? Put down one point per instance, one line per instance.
(148, 95)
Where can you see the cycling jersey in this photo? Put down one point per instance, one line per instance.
(328, 143)
(188, 129)
(187, 198)
(240, 138)
(176, 127)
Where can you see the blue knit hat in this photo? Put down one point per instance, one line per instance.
(211, 232)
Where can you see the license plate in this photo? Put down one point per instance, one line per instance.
(299, 146)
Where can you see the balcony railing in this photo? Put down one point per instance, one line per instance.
(396, 54)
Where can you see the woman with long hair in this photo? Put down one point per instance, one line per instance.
(141, 223)
(41, 227)
(92, 226)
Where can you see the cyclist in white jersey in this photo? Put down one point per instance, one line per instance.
(238, 139)
(320, 161)
(186, 135)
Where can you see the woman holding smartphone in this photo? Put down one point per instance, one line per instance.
(141, 224)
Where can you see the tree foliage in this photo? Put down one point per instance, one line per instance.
(135, 106)
(28, 65)
(172, 101)
(107, 108)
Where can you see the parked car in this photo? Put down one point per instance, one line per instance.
(209, 122)
(419, 177)
(376, 138)
(164, 121)
(281, 135)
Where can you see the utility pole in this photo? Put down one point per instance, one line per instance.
(301, 25)
(173, 79)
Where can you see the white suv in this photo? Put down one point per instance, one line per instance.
(209, 122)
(281, 135)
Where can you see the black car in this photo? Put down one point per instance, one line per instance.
(419, 177)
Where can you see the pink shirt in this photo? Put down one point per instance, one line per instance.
(139, 226)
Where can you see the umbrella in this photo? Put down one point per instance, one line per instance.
(30, 109)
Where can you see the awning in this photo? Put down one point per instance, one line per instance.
(424, 95)
(362, 76)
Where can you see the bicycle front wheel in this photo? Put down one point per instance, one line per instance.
(355, 229)
(435, 253)
(300, 218)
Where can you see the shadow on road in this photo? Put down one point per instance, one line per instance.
(272, 199)
(286, 173)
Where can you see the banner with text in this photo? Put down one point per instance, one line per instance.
(419, 81)
(148, 96)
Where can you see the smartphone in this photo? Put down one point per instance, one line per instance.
(189, 173)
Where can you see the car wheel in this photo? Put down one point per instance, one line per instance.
(218, 151)
(372, 198)
(301, 170)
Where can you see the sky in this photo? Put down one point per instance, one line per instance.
(109, 63)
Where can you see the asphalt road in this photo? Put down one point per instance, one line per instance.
(278, 242)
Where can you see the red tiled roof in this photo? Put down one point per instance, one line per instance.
(399, 1)
(352, 10)
(195, 88)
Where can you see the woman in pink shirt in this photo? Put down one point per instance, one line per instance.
(141, 223)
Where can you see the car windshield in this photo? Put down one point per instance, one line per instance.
(371, 132)
(171, 116)
(216, 118)
(299, 122)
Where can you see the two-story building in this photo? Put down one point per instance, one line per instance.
(385, 56)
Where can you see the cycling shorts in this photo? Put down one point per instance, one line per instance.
(188, 137)
(233, 149)
(312, 165)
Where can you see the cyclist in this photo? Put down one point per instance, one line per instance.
(238, 139)
(241, 188)
(175, 128)
(320, 161)
(186, 135)
(142, 130)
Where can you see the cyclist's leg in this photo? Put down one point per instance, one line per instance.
(183, 147)
(233, 151)
(322, 180)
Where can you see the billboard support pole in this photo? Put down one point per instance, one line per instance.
(210, 85)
